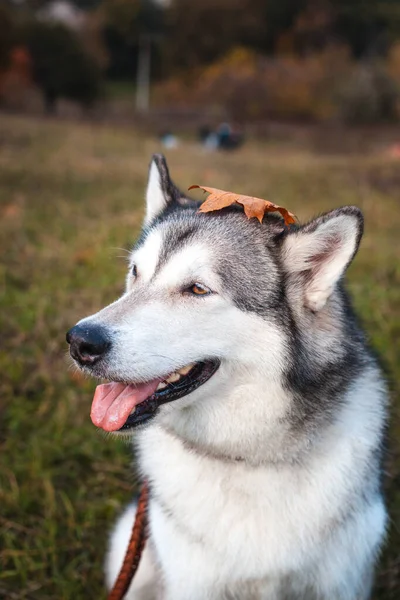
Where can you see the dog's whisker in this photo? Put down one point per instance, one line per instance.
(117, 248)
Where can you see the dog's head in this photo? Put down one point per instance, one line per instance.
(211, 299)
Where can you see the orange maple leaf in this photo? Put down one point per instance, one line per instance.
(253, 207)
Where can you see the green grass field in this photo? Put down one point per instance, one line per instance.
(71, 201)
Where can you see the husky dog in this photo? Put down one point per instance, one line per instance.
(257, 410)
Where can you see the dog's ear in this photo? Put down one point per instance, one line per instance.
(319, 253)
(160, 189)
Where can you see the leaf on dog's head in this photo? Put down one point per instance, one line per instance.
(253, 207)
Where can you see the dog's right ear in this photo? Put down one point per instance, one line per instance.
(160, 189)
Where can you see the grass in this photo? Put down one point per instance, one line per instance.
(70, 197)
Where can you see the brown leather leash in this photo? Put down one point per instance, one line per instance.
(135, 547)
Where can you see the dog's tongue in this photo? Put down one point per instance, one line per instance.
(113, 402)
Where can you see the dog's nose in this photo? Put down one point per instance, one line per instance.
(88, 343)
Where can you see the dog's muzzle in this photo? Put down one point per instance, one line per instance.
(122, 405)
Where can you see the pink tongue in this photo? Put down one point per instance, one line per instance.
(113, 402)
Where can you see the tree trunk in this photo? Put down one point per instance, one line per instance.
(50, 101)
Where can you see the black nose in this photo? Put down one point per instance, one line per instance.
(88, 343)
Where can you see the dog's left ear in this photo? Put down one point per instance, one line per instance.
(320, 252)
(160, 189)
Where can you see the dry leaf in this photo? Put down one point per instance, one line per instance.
(253, 207)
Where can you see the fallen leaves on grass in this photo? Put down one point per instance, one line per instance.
(253, 207)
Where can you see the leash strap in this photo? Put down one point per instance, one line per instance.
(135, 548)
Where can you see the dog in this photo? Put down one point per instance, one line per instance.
(257, 408)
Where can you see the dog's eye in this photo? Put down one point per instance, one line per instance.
(199, 289)
(134, 271)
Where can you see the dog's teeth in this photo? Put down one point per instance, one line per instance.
(161, 385)
(133, 410)
(185, 370)
(173, 378)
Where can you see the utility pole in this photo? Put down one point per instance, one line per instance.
(143, 74)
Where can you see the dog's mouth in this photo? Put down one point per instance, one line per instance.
(122, 406)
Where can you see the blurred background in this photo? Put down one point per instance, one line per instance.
(295, 101)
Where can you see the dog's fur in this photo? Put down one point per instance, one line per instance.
(265, 481)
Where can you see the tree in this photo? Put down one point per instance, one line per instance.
(125, 22)
(368, 26)
(61, 67)
(201, 32)
(7, 35)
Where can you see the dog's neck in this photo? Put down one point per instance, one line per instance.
(248, 421)
(256, 420)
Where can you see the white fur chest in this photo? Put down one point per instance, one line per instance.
(223, 520)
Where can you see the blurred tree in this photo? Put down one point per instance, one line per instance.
(87, 4)
(35, 5)
(61, 67)
(369, 95)
(7, 35)
(368, 26)
(130, 18)
(125, 21)
(92, 37)
(199, 33)
(271, 18)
